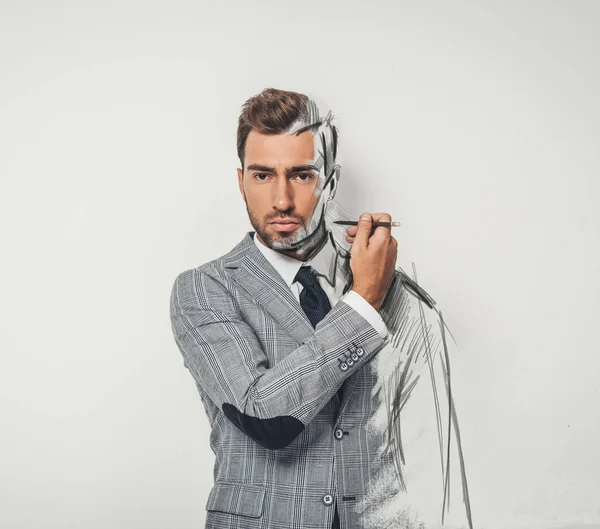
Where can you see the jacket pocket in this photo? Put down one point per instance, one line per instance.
(245, 499)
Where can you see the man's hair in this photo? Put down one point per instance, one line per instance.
(275, 111)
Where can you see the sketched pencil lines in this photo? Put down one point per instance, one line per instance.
(415, 343)
(418, 348)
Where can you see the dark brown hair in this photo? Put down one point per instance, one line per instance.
(272, 111)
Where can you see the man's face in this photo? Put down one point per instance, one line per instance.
(281, 186)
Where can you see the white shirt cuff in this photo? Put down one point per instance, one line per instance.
(366, 310)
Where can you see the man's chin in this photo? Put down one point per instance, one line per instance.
(287, 241)
(277, 240)
(301, 242)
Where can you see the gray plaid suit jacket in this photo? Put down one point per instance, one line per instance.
(288, 445)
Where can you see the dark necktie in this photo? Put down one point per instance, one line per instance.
(316, 304)
(313, 299)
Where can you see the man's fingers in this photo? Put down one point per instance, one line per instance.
(381, 217)
(382, 233)
(363, 231)
(351, 233)
(379, 234)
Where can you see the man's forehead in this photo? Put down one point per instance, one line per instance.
(289, 149)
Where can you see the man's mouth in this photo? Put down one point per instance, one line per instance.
(285, 224)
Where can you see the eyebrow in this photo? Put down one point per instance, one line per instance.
(295, 169)
(311, 127)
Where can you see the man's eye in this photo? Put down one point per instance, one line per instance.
(308, 176)
(258, 176)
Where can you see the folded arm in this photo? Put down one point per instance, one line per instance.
(270, 404)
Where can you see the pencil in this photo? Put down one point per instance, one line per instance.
(375, 223)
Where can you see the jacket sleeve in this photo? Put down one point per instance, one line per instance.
(395, 303)
(270, 404)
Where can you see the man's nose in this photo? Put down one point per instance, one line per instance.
(283, 199)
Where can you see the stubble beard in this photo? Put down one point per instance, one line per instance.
(299, 244)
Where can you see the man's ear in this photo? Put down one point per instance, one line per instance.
(333, 182)
(240, 174)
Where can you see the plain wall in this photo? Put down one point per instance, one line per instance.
(475, 124)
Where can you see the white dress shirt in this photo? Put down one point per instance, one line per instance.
(288, 267)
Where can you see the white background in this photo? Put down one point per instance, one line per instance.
(475, 124)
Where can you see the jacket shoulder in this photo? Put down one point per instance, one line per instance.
(212, 276)
(203, 278)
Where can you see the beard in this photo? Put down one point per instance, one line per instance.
(302, 243)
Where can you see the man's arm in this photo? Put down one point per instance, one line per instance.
(270, 404)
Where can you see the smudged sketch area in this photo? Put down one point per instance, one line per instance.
(417, 424)
(413, 370)
(422, 470)
(422, 481)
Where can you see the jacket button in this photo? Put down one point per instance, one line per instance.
(339, 434)
(344, 366)
(359, 351)
(355, 357)
(350, 362)
(328, 499)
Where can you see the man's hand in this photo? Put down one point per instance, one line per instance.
(372, 257)
(351, 231)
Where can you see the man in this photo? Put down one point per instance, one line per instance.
(280, 346)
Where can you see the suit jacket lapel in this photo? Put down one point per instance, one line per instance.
(253, 272)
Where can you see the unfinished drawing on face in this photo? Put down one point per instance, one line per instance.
(415, 358)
